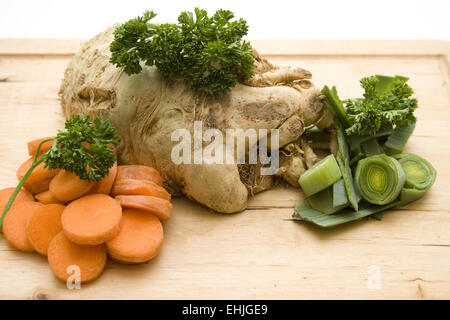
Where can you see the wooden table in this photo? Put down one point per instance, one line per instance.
(259, 253)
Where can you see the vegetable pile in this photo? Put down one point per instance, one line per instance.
(369, 172)
(87, 206)
(206, 51)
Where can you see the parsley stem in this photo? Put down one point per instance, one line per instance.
(36, 161)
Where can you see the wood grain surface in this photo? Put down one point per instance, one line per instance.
(259, 253)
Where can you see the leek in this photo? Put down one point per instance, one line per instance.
(371, 147)
(344, 164)
(380, 179)
(397, 140)
(339, 194)
(323, 201)
(335, 104)
(420, 174)
(320, 176)
(305, 213)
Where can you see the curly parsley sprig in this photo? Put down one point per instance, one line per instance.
(84, 148)
(208, 52)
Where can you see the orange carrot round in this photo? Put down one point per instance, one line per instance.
(140, 238)
(104, 186)
(92, 219)
(6, 193)
(138, 172)
(15, 224)
(67, 186)
(161, 208)
(62, 254)
(46, 197)
(39, 179)
(34, 144)
(43, 225)
(139, 187)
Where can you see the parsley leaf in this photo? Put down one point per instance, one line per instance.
(382, 106)
(208, 52)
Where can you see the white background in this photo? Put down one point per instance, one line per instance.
(276, 19)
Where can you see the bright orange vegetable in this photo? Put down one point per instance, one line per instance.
(67, 186)
(161, 208)
(140, 238)
(92, 219)
(139, 187)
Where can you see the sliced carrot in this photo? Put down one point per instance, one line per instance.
(92, 219)
(6, 193)
(139, 187)
(15, 225)
(161, 208)
(104, 186)
(138, 172)
(62, 254)
(67, 186)
(46, 197)
(43, 225)
(33, 145)
(39, 179)
(140, 238)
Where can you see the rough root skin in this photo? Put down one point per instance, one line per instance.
(146, 109)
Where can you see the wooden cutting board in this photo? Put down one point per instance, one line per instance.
(259, 253)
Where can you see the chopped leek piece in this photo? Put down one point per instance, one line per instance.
(320, 176)
(356, 158)
(339, 194)
(306, 213)
(379, 179)
(371, 147)
(386, 83)
(409, 195)
(335, 104)
(397, 140)
(356, 140)
(323, 201)
(420, 174)
(344, 163)
(377, 216)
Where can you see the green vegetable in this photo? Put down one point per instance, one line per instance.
(385, 105)
(84, 148)
(335, 104)
(208, 52)
(420, 176)
(343, 159)
(409, 195)
(356, 140)
(320, 176)
(306, 213)
(379, 179)
(377, 216)
(323, 201)
(397, 140)
(340, 194)
(371, 147)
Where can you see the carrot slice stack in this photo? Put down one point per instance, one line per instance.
(39, 179)
(43, 225)
(138, 172)
(139, 187)
(140, 238)
(62, 254)
(92, 219)
(34, 144)
(46, 197)
(104, 186)
(161, 208)
(15, 225)
(67, 186)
